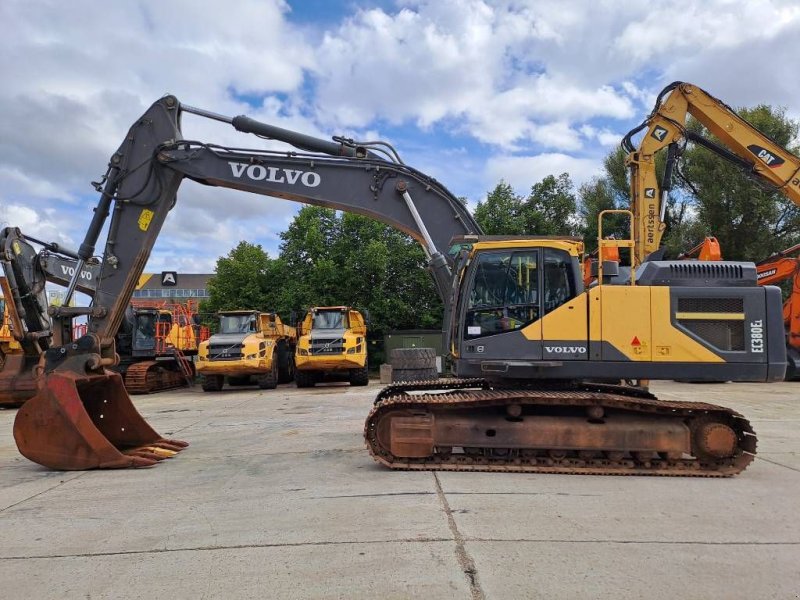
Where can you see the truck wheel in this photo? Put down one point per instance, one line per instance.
(305, 379)
(285, 363)
(359, 376)
(412, 358)
(406, 375)
(212, 383)
(269, 380)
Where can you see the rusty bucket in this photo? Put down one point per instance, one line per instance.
(77, 422)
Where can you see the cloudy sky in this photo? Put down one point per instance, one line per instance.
(469, 91)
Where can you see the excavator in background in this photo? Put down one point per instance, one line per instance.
(785, 266)
(155, 341)
(708, 249)
(332, 340)
(536, 357)
(737, 141)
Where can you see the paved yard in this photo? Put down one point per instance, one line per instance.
(278, 498)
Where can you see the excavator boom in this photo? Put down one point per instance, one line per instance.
(737, 141)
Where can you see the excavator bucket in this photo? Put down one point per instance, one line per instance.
(85, 422)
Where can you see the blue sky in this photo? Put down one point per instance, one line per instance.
(469, 91)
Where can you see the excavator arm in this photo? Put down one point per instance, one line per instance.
(736, 141)
(144, 175)
(137, 192)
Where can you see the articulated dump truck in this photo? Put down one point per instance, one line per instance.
(249, 346)
(333, 341)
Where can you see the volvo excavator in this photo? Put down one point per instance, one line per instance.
(537, 358)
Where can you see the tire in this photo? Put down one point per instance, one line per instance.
(412, 358)
(360, 376)
(212, 383)
(285, 363)
(406, 375)
(305, 379)
(239, 380)
(269, 380)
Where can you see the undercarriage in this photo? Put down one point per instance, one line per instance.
(593, 429)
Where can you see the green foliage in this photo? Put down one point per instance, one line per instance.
(352, 260)
(609, 191)
(499, 214)
(549, 209)
(327, 259)
(243, 280)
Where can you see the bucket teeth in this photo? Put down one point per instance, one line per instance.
(78, 422)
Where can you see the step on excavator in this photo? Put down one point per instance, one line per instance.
(537, 358)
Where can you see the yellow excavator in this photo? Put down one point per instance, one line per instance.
(734, 140)
(537, 357)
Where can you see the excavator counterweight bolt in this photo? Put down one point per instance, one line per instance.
(514, 410)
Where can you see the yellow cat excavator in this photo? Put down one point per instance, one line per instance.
(536, 356)
(736, 141)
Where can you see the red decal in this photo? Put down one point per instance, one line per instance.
(635, 341)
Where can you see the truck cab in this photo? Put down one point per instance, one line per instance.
(332, 340)
(249, 345)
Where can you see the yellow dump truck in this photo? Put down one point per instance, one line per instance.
(249, 346)
(333, 340)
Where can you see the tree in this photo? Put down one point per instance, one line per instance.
(244, 279)
(606, 192)
(500, 213)
(352, 260)
(550, 207)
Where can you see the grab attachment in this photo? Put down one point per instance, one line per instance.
(81, 419)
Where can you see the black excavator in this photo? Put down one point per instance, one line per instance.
(537, 358)
(147, 364)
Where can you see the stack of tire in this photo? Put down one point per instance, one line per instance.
(413, 364)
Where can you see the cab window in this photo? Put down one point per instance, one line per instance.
(559, 285)
(505, 293)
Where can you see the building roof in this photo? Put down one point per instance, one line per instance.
(152, 281)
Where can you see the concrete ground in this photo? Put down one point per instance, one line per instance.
(278, 498)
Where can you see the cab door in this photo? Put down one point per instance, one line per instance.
(503, 301)
(565, 324)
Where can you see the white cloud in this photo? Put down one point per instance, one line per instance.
(523, 171)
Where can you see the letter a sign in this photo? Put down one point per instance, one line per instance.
(169, 278)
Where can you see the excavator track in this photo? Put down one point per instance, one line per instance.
(590, 429)
(148, 377)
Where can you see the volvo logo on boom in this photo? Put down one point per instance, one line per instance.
(275, 174)
(70, 271)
